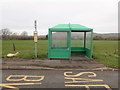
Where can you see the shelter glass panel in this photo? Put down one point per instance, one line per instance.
(77, 39)
(88, 37)
(60, 40)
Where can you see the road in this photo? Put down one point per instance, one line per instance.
(59, 79)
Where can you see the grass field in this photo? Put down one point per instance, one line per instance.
(105, 52)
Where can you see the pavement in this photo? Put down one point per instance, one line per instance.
(76, 64)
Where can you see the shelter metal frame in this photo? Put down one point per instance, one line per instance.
(66, 52)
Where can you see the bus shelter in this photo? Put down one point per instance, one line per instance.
(65, 40)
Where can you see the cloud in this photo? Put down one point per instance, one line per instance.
(20, 15)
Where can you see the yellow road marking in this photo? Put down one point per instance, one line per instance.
(79, 74)
(87, 86)
(24, 78)
(75, 80)
(2, 85)
(8, 85)
(83, 80)
(79, 80)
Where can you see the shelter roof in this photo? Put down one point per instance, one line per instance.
(70, 27)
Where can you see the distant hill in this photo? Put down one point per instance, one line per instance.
(107, 34)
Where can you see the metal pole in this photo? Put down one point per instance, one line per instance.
(84, 39)
(35, 39)
(35, 49)
(35, 26)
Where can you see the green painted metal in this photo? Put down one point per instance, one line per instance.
(89, 50)
(66, 52)
(69, 42)
(59, 54)
(49, 43)
(84, 39)
(70, 27)
(78, 50)
(91, 45)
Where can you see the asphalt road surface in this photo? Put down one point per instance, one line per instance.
(59, 79)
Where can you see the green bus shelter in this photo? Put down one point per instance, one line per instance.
(65, 40)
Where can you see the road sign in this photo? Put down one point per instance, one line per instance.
(35, 36)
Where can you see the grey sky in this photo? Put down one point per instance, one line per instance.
(19, 15)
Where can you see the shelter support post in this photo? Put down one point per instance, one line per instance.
(49, 43)
(84, 39)
(70, 40)
(91, 44)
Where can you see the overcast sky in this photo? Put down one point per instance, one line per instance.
(19, 15)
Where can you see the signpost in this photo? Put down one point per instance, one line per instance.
(35, 39)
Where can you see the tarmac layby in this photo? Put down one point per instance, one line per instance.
(105, 80)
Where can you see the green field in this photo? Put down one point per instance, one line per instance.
(25, 47)
(105, 52)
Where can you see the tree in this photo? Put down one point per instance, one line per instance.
(97, 38)
(24, 33)
(46, 36)
(15, 34)
(6, 32)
